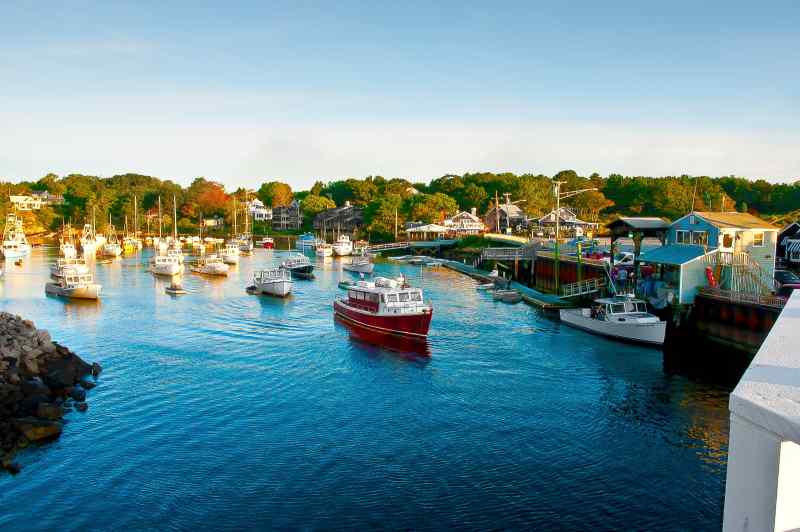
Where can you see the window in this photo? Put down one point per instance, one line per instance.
(392, 298)
(416, 296)
(758, 240)
(682, 237)
(641, 307)
(403, 297)
(618, 308)
(700, 237)
(692, 220)
(372, 297)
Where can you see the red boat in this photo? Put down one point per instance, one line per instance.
(267, 243)
(387, 306)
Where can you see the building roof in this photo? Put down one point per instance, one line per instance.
(673, 254)
(466, 214)
(644, 223)
(738, 220)
(429, 228)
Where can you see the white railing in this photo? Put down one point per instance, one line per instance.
(390, 245)
(762, 491)
(747, 275)
(742, 297)
(587, 286)
(507, 253)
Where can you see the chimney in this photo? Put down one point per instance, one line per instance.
(474, 211)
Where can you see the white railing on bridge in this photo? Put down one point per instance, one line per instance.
(390, 245)
(762, 491)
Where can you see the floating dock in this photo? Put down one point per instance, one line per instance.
(529, 295)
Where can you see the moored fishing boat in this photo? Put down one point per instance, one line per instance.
(507, 295)
(386, 305)
(111, 248)
(273, 282)
(299, 266)
(166, 265)
(620, 317)
(359, 264)
(306, 242)
(210, 265)
(343, 246)
(15, 244)
(266, 243)
(323, 249)
(74, 286)
(230, 255)
(67, 265)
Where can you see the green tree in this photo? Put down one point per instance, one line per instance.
(275, 194)
(313, 205)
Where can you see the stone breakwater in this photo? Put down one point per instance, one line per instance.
(40, 381)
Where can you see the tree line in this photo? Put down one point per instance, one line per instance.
(387, 201)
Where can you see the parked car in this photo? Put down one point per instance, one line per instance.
(787, 282)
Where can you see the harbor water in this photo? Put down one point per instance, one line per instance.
(226, 411)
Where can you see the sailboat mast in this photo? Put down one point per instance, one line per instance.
(235, 208)
(135, 216)
(159, 218)
(174, 218)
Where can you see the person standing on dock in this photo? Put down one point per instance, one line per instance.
(622, 279)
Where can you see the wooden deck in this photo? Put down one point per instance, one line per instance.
(529, 295)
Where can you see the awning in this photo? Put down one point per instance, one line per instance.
(793, 245)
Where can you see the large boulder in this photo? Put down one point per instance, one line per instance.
(64, 370)
(49, 411)
(38, 429)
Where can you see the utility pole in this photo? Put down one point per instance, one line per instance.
(559, 195)
(497, 211)
(395, 225)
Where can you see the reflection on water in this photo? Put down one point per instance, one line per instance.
(290, 419)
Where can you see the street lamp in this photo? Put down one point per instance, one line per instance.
(559, 196)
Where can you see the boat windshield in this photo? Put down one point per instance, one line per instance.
(618, 308)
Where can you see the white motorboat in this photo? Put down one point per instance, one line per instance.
(299, 266)
(359, 264)
(323, 249)
(166, 265)
(88, 240)
(343, 246)
(67, 265)
(230, 255)
(210, 265)
(74, 286)
(15, 244)
(619, 317)
(274, 282)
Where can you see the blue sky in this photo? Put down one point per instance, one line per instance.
(245, 91)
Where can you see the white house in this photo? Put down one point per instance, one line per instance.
(27, 203)
(464, 223)
(258, 211)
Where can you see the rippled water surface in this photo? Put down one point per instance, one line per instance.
(221, 410)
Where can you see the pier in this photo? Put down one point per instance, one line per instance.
(763, 478)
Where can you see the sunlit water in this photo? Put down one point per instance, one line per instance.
(222, 410)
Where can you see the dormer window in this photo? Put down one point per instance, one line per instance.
(692, 220)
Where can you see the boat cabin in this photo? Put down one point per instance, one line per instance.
(619, 309)
(75, 279)
(385, 295)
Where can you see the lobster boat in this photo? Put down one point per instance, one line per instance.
(386, 305)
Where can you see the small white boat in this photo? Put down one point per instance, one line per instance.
(65, 265)
(273, 282)
(175, 289)
(67, 250)
(620, 317)
(230, 255)
(299, 266)
(177, 253)
(485, 286)
(359, 264)
(74, 286)
(306, 242)
(323, 249)
(210, 265)
(166, 265)
(507, 296)
(15, 244)
(343, 246)
(245, 244)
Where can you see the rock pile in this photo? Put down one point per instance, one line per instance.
(40, 380)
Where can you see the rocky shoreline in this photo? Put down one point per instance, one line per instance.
(40, 381)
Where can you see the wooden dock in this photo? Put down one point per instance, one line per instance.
(529, 295)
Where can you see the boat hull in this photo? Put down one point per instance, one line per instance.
(413, 325)
(359, 268)
(303, 272)
(166, 269)
(279, 288)
(342, 250)
(230, 259)
(217, 270)
(640, 333)
(22, 250)
(91, 291)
